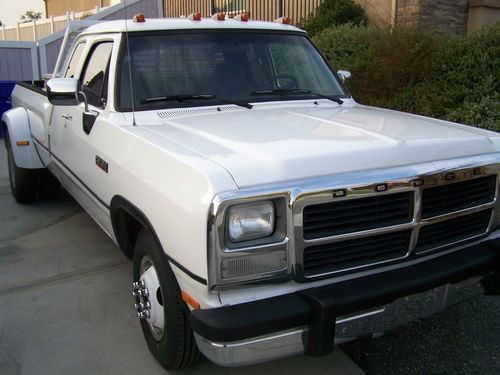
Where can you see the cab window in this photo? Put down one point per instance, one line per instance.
(95, 74)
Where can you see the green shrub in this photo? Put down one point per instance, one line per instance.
(484, 114)
(334, 12)
(382, 61)
(454, 78)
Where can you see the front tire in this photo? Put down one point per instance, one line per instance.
(167, 330)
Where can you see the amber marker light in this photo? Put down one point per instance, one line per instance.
(283, 20)
(242, 17)
(139, 17)
(23, 143)
(219, 17)
(190, 300)
(196, 16)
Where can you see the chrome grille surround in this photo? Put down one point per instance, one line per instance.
(300, 193)
(429, 180)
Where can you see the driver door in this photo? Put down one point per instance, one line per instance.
(73, 132)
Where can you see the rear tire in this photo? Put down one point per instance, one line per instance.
(174, 346)
(48, 186)
(23, 182)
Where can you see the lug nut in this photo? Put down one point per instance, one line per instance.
(145, 305)
(139, 285)
(144, 314)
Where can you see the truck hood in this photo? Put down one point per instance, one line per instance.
(282, 142)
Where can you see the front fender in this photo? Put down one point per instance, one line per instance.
(17, 129)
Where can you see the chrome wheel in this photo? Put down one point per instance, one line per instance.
(149, 298)
(163, 315)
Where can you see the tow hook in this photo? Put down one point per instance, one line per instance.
(141, 295)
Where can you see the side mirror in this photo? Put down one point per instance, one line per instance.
(63, 91)
(344, 74)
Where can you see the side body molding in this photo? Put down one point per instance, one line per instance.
(17, 126)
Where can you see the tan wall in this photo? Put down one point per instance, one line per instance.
(379, 12)
(60, 7)
(483, 13)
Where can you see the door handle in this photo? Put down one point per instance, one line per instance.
(67, 116)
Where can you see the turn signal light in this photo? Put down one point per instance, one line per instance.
(190, 300)
(23, 143)
(219, 16)
(139, 17)
(284, 20)
(242, 17)
(196, 16)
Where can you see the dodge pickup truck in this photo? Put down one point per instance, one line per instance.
(267, 213)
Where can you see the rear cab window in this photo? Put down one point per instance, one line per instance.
(72, 67)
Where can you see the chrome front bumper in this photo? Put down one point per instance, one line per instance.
(373, 322)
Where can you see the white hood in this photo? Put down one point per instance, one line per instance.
(283, 142)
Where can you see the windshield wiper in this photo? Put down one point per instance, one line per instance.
(182, 98)
(297, 92)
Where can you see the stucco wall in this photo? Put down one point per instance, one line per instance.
(60, 7)
(379, 12)
(483, 13)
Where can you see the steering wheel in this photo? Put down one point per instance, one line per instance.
(293, 84)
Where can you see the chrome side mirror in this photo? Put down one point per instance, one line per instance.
(344, 74)
(63, 91)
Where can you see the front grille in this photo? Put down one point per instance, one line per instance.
(454, 230)
(457, 196)
(354, 215)
(354, 253)
(334, 237)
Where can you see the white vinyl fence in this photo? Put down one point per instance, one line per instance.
(30, 60)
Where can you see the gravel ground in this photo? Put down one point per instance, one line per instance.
(464, 339)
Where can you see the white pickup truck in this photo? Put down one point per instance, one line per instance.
(266, 212)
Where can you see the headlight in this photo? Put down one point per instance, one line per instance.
(251, 221)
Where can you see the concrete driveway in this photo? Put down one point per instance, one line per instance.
(66, 305)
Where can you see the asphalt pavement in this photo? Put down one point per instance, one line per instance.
(463, 339)
(66, 305)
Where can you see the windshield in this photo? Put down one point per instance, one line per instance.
(171, 70)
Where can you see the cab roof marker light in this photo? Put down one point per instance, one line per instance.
(219, 17)
(283, 20)
(242, 17)
(139, 17)
(196, 16)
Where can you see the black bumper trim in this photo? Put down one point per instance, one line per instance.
(252, 319)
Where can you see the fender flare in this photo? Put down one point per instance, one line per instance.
(125, 242)
(16, 124)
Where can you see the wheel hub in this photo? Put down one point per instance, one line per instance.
(149, 301)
